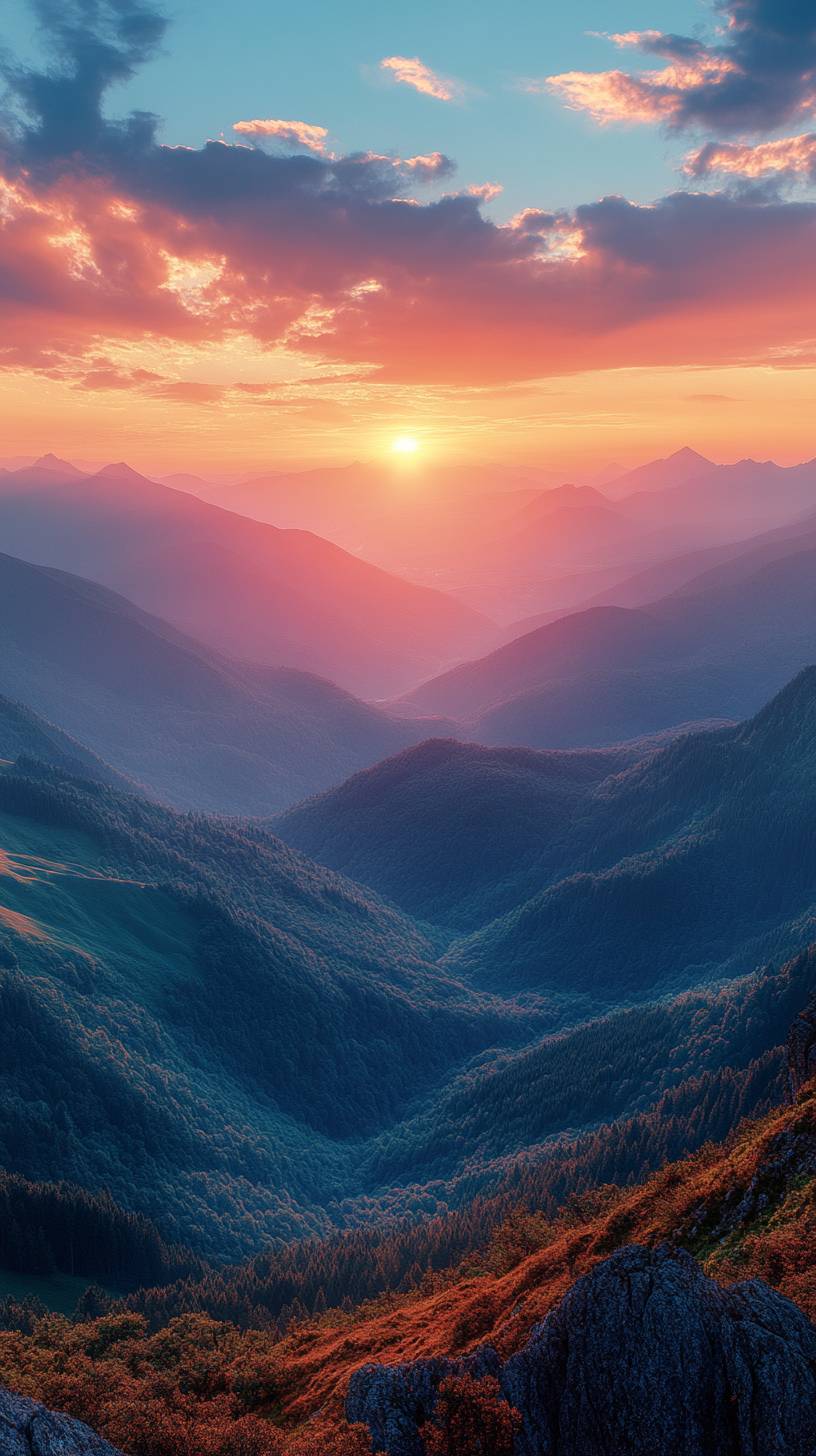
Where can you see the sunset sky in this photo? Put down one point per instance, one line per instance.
(270, 236)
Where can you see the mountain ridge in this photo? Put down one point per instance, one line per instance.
(196, 728)
(286, 596)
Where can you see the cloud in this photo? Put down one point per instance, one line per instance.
(95, 43)
(411, 71)
(295, 133)
(187, 391)
(107, 376)
(123, 239)
(792, 157)
(429, 167)
(485, 191)
(609, 95)
(758, 74)
(658, 285)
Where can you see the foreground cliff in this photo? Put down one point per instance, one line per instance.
(669, 1319)
(644, 1355)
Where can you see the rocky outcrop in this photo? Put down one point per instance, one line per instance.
(802, 1050)
(645, 1356)
(29, 1429)
(395, 1400)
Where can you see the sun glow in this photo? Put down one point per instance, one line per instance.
(405, 445)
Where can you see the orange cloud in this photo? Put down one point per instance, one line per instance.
(110, 238)
(637, 38)
(432, 292)
(411, 71)
(428, 166)
(485, 191)
(297, 133)
(794, 156)
(607, 95)
(610, 96)
(756, 74)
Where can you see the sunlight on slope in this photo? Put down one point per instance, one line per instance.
(22, 924)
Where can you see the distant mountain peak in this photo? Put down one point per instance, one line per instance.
(685, 455)
(571, 489)
(665, 473)
(53, 462)
(120, 471)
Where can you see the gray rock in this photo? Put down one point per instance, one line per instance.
(395, 1400)
(802, 1050)
(30, 1429)
(645, 1356)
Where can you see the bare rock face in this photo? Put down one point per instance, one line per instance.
(645, 1356)
(395, 1400)
(29, 1429)
(802, 1050)
(648, 1357)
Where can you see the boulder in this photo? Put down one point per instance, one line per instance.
(30, 1429)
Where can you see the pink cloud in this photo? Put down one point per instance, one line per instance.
(755, 74)
(791, 156)
(110, 237)
(433, 292)
(428, 166)
(638, 38)
(411, 71)
(296, 133)
(610, 96)
(188, 391)
(485, 191)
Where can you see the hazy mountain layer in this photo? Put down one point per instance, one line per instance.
(198, 730)
(717, 647)
(281, 598)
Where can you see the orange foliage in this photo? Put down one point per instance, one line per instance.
(201, 1387)
(470, 1416)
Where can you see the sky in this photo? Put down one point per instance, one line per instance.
(559, 235)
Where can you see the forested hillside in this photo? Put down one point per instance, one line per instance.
(129, 925)
(455, 833)
(247, 986)
(741, 1210)
(697, 862)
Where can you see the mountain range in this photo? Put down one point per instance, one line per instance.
(197, 729)
(694, 1290)
(510, 541)
(284, 598)
(249, 985)
(716, 647)
(580, 847)
(305, 1000)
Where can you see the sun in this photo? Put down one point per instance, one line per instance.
(405, 445)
